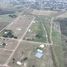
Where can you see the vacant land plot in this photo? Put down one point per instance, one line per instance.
(19, 26)
(6, 19)
(6, 51)
(44, 13)
(10, 44)
(4, 54)
(3, 24)
(28, 49)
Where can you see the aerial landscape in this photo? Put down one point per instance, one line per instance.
(33, 33)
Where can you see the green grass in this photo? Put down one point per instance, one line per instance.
(56, 37)
(57, 48)
(46, 21)
(38, 29)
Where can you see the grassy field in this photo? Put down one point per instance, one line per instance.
(5, 18)
(57, 48)
(63, 25)
(38, 29)
(46, 22)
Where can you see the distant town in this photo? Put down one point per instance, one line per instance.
(38, 4)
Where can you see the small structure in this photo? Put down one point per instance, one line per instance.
(19, 63)
(39, 51)
(22, 60)
(39, 54)
(2, 45)
(8, 33)
(29, 30)
(41, 46)
(13, 60)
